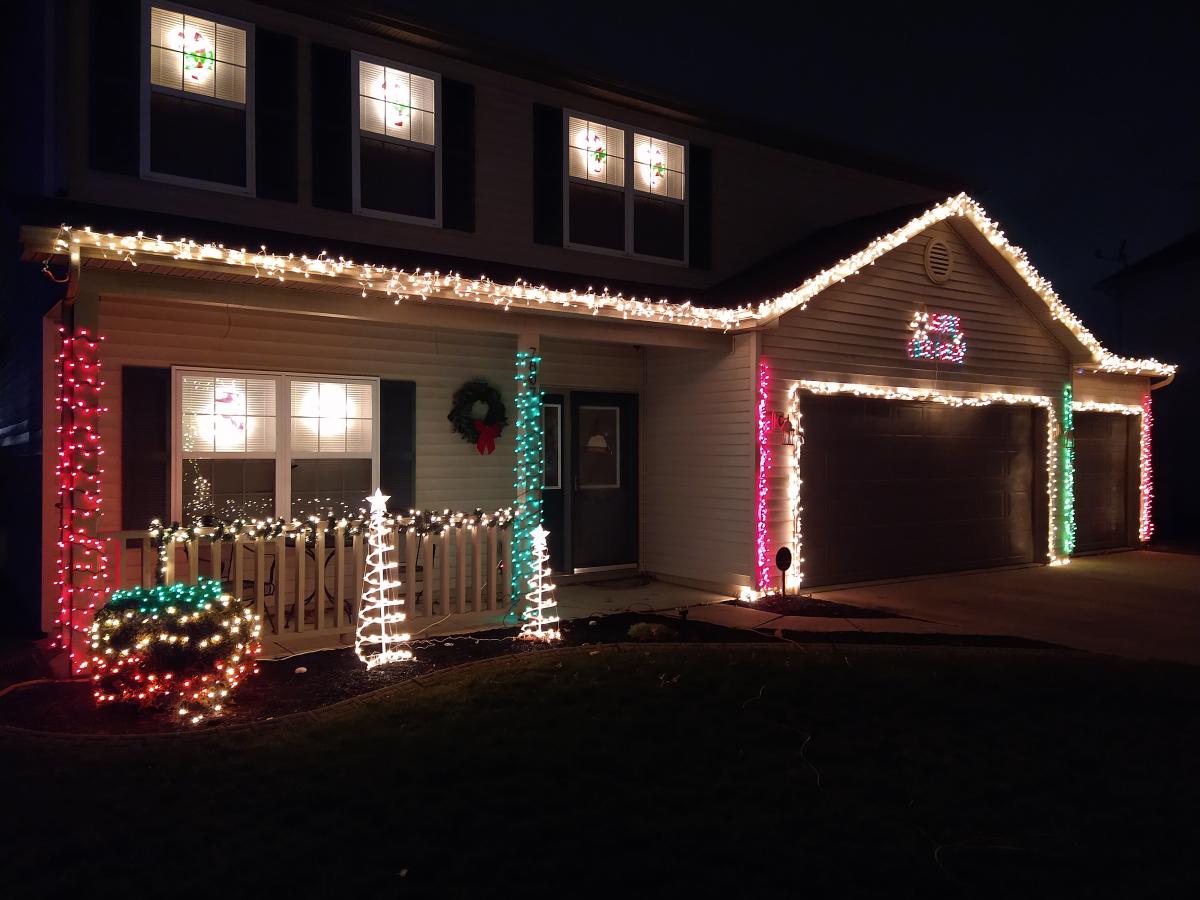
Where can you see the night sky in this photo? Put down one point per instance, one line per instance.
(1074, 129)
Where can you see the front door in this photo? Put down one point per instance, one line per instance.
(602, 481)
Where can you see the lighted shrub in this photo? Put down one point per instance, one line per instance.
(186, 646)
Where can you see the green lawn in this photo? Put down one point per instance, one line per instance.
(664, 772)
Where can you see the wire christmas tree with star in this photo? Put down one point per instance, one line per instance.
(539, 619)
(380, 637)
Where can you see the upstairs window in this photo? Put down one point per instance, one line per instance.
(197, 128)
(626, 191)
(397, 141)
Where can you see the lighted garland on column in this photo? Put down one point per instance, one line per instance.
(528, 470)
(763, 431)
(539, 621)
(380, 637)
(1066, 465)
(795, 482)
(82, 568)
(1145, 519)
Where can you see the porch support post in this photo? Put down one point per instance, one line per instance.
(528, 480)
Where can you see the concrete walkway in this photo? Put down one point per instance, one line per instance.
(1139, 604)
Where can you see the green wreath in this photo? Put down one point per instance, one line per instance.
(482, 432)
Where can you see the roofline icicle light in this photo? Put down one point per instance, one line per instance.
(397, 284)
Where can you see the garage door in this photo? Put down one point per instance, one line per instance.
(1102, 480)
(893, 488)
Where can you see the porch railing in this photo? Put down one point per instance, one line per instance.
(308, 582)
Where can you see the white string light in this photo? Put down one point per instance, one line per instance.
(1145, 466)
(397, 284)
(539, 621)
(380, 637)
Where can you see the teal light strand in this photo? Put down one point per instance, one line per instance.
(1066, 525)
(529, 471)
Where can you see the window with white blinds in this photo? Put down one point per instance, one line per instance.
(397, 103)
(197, 56)
(254, 445)
(625, 191)
(228, 415)
(595, 152)
(332, 417)
(658, 166)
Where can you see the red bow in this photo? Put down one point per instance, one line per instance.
(487, 437)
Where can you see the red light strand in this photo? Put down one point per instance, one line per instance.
(82, 578)
(762, 551)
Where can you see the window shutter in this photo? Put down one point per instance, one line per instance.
(145, 445)
(275, 108)
(547, 175)
(700, 208)
(397, 436)
(114, 74)
(458, 155)
(331, 137)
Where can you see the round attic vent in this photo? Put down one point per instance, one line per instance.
(939, 261)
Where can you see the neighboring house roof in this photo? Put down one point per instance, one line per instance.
(1186, 249)
(1009, 261)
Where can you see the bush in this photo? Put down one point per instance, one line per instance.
(184, 645)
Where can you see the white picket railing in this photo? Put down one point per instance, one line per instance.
(310, 584)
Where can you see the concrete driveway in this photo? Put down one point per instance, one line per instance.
(1140, 604)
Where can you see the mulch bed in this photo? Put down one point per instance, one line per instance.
(805, 605)
(334, 675)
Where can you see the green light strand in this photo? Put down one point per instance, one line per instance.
(1066, 526)
(528, 471)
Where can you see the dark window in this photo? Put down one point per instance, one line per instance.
(597, 216)
(194, 139)
(228, 488)
(658, 227)
(329, 488)
(397, 178)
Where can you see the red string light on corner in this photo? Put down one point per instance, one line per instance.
(1145, 521)
(761, 544)
(82, 572)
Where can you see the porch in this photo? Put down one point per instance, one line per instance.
(305, 581)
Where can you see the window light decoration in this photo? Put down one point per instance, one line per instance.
(332, 417)
(762, 548)
(187, 646)
(227, 414)
(1145, 463)
(529, 470)
(539, 619)
(884, 392)
(81, 576)
(197, 56)
(380, 637)
(658, 166)
(398, 284)
(1066, 465)
(595, 152)
(936, 336)
(397, 103)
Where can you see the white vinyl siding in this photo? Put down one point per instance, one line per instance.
(698, 464)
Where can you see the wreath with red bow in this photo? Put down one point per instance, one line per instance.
(465, 417)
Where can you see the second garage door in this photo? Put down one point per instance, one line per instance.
(894, 488)
(1103, 478)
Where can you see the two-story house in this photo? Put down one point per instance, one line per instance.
(315, 255)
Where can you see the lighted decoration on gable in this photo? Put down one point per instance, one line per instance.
(936, 336)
